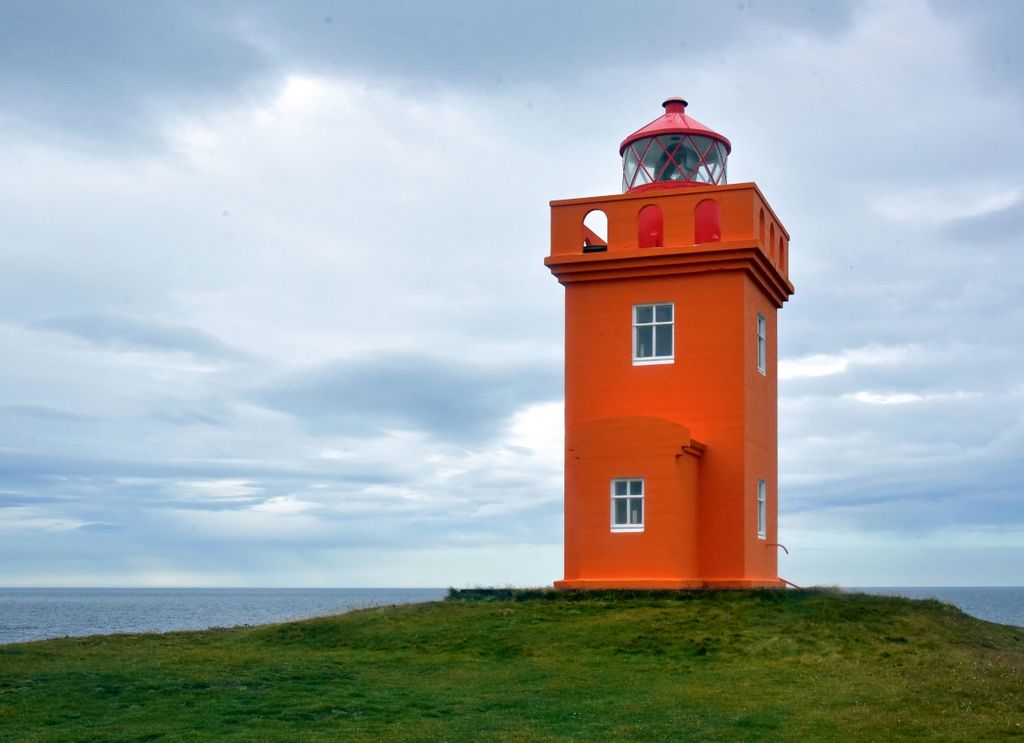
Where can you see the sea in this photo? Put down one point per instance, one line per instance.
(43, 613)
(28, 614)
(1002, 604)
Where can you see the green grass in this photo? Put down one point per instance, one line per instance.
(813, 665)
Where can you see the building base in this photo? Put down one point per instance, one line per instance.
(661, 584)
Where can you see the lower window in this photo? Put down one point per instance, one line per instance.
(628, 504)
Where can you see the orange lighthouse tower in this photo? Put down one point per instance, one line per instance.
(671, 398)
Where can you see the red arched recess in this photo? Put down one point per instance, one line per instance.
(650, 227)
(707, 221)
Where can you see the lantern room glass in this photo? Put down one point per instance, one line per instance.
(680, 158)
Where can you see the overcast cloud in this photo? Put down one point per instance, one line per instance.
(273, 312)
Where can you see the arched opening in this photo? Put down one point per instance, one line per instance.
(650, 227)
(760, 230)
(595, 232)
(707, 222)
(771, 240)
(782, 254)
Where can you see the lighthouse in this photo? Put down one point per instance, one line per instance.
(672, 293)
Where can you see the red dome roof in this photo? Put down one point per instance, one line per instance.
(674, 121)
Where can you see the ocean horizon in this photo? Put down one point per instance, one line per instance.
(28, 614)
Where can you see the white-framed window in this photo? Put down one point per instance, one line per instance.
(762, 344)
(628, 504)
(653, 333)
(762, 509)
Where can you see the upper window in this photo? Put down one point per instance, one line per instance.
(628, 505)
(762, 509)
(652, 333)
(762, 344)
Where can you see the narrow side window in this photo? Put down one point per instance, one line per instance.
(762, 344)
(762, 509)
(628, 504)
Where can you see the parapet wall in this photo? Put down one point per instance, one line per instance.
(683, 217)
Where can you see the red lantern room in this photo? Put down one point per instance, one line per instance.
(673, 150)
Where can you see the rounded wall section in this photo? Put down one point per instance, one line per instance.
(635, 447)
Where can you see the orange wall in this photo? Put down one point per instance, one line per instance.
(761, 454)
(627, 421)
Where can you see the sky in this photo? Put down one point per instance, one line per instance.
(273, 310)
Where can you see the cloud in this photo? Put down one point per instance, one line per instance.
(272, 302)
(106, 73)
(42, 412)
(457, 400)
(998, 224)
(136, 333)
(946, 557)
(938, 205)
(823, 365)
(109, 73)
(903, 398)
(34, 518)
(992, 37)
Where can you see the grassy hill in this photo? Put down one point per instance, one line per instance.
(813, 665)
